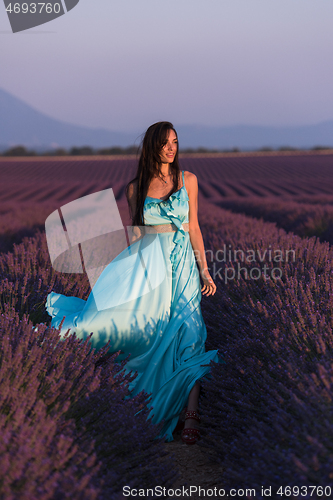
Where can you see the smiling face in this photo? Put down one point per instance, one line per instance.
(169, 150)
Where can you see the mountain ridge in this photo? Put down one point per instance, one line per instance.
(21, 124)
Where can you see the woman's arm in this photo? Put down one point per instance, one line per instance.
(131, 198)
(209, 286)
(136, 231)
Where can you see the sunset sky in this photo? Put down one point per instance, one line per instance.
(124, 65)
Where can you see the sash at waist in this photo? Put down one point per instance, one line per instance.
(165, 228)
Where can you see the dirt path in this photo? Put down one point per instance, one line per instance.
(195, 468)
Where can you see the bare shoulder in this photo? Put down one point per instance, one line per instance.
(191, 181)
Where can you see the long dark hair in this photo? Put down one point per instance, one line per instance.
(149, 165)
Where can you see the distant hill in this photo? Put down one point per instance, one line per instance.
(21, 124)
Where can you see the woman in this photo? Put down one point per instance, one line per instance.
(158, 174)
(159, 322)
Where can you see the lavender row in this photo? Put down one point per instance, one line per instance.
(21, 220)
(315, 169)
(66, 426)
(275, 336)
(268, 413)
(25, 208)
(304, 219)
(27, 277)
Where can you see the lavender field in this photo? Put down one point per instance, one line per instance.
(267, 412)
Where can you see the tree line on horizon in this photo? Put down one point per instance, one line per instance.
(20, 150)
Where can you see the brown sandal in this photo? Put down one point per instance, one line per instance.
(191, 436)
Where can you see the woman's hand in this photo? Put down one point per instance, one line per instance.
(209, 287)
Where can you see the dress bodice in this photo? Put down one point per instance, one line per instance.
(175, 208)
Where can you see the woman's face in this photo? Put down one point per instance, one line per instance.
(168, 152)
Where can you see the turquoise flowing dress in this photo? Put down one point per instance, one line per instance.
(158, 320)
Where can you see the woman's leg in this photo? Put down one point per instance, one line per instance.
(192, 405)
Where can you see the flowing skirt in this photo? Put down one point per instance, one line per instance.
(148, 305)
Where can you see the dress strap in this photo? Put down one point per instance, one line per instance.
(183, 177)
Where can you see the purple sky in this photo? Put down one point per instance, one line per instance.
(124, 65)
